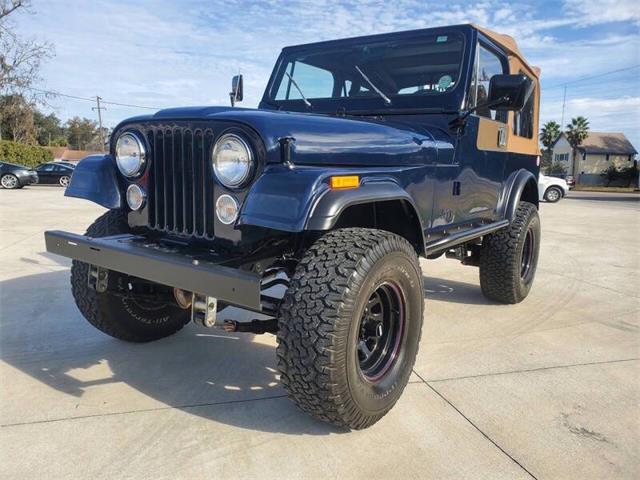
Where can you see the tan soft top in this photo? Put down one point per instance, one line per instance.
(510, 45)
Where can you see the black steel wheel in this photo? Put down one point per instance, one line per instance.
(350, 325)
(509, 257)
(126, 317)
(380, 331)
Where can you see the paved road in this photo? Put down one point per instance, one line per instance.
(545, 389)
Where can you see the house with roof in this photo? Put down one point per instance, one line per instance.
(598, 151)
(66, 155)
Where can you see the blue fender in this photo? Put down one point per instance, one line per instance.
(282, 197)
(95, 179)
(299, 198)
(521, 185)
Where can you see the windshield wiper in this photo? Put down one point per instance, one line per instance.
(377, 90)
(304, 99)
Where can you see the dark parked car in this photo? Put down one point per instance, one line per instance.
(313, 209)
(55, 173)
(16, 176)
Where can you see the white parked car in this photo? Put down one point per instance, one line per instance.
(552, 189)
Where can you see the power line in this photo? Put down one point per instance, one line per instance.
(86, 99)
(559, 85)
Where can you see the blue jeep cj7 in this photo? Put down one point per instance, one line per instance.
(363, 155)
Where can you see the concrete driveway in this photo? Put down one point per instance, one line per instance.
(545, 389)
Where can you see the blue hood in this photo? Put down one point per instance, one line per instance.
(328, 140)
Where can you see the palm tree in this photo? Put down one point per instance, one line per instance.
(577, 132)
(548, 135)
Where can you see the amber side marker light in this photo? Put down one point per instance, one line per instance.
(347, 181)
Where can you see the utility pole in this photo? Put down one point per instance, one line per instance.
(564, 101)
(99, 109)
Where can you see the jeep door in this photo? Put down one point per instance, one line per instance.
(472, 194)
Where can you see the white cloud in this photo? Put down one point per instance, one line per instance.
(163, 53)
(594, 12)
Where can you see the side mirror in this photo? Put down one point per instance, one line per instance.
(509, 92)
(236, 90)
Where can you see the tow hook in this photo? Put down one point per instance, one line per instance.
(204, 313)
(98, 278)
(203, 310)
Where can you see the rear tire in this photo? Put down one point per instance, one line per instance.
(122, 317)
(350, 325)
(509, 257)
(553, 194)
(64, 181)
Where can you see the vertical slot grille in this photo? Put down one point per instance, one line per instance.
(181, 181)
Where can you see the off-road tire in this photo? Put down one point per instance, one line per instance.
(549, 197)
(501, 257)
(119, 316)
(319, 322)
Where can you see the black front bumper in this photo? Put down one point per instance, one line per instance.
(133, 255)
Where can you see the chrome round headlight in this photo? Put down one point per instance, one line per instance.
(232, 160)
(130, 154)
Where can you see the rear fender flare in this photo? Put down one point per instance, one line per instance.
(521, 185)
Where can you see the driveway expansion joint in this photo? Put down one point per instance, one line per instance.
(448, 402)
(539, 369)
(144, 410)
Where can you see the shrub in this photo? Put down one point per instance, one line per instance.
(557, 169)
(21, 154)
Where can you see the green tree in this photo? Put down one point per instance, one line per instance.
(81, 132)
(577, 132)
(549, 133)
(16, 119)
(49, 129)
(20, 63)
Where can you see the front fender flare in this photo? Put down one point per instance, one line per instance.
(95, 179)
(332, 203)
(294, 200)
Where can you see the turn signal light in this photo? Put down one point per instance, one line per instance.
(346, 181)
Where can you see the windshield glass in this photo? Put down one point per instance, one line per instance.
(428, 65)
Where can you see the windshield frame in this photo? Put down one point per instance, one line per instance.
(451, 100)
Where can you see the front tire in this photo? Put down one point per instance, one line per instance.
(509, 257)
(122, 316)
(350, 325)
(10, 181)
(553, 194)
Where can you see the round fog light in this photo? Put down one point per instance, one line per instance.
(135, 197)
(227, 209)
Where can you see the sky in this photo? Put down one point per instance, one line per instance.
(176, 53)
